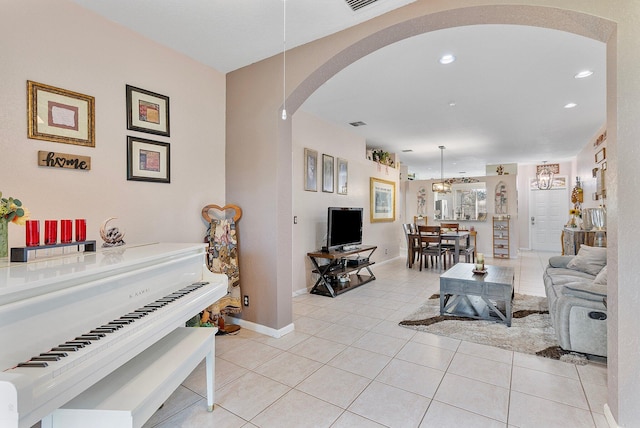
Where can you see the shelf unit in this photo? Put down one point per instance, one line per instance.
(340, 265)
(501, 237)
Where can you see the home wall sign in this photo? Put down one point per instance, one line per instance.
(63, 160)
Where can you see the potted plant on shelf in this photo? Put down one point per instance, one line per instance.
(382, 157)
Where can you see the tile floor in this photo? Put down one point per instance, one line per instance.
(349, 364)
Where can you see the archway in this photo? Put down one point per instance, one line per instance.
(310, 66)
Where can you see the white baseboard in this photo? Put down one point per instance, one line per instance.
(609, 417)
(259, 328)
(300, 292)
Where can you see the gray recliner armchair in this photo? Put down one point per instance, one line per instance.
(576, 289)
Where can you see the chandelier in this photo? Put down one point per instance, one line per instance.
(441, 186)
(544, 177)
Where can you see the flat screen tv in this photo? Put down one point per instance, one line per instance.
(344, 227)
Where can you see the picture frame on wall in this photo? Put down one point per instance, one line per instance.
(343, 175)
(382, 200)
(601, 155)
(148, 160)
(327, 173)
(147, 111)
(310, 170)
(58, 115)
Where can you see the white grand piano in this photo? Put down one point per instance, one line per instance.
(69, 321)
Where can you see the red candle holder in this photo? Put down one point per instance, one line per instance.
(66, 231)
(50, 232)
(33, 233)
(81, 230)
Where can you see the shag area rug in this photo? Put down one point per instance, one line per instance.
(531, 331)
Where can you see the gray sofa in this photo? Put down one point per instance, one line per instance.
(576, 288)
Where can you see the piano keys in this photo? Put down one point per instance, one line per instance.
(75, 318)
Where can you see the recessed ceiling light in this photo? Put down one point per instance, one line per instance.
(570, 105)
(447, 59)
(583, 74)
(452, 104)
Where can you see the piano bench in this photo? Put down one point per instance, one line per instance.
(129, 396)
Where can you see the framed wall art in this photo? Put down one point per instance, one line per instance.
(343, 175)
(58, 115)
(148, 160)
(147, 111)
(383, 200)
(327, 173)
(601, 155)
(310, 170)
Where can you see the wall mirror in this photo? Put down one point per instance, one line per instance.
(465, 202)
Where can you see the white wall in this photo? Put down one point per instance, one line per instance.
(310, 208)
(585, 163)
(61, 44)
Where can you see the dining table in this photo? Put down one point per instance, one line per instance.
(456, 237)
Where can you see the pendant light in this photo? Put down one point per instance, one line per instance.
(284, 59)
(442, 186)
(544, 177)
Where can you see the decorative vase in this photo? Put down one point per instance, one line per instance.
(4, 237)
(574, 221)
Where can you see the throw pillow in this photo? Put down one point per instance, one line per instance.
(590, 260)
(601, 278)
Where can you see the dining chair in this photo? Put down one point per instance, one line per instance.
(449, 227)
(419, 220)
(413, 243)
(469, 251)
(432, 248)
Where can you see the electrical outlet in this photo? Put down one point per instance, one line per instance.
(386, 251)
(246, 300)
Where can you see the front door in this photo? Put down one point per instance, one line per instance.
(548, 212)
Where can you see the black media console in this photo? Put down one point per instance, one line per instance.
(341, 273)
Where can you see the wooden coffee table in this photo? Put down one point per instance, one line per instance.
(483, 296)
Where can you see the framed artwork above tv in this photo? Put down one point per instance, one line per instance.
(383, 200)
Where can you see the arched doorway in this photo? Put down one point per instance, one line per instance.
(311, 66)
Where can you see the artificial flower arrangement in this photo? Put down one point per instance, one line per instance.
(574, 211)
(12, 210)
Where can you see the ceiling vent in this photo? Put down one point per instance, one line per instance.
(359, 4)
(358, 123)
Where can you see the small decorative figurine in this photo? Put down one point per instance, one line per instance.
(112, 237)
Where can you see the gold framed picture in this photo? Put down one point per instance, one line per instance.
(59, 115)
(382, 200)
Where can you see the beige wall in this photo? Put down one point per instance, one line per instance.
(254, 96)
(311, 207)
(61, 44)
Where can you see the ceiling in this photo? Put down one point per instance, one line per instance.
(501, 101)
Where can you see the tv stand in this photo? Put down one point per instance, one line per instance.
(341, 274)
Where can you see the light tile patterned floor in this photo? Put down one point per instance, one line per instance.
(348, 364)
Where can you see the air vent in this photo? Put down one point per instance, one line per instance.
(407, 150)
(358, 123)
(359, 4)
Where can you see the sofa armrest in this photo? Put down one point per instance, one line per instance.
(560, 261)
(585, 290)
